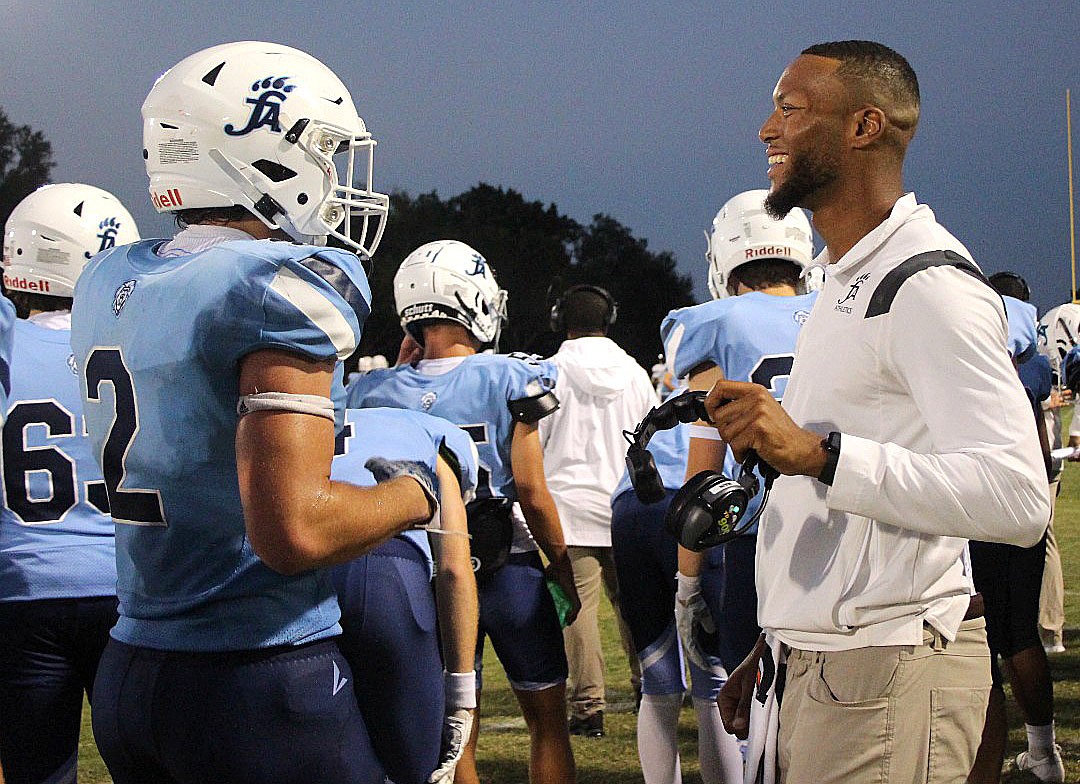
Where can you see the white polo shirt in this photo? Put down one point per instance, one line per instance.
(938, 447)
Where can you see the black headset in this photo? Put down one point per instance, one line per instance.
(708, 510)
(558, 319)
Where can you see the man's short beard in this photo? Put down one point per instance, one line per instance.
(808, 175)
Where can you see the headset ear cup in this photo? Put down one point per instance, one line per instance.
(705, 512)
(648, 486)
(687, 518)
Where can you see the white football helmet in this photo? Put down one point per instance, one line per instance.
(448, 279)
(742, 231)
(53, 232)
(1057, 332)
(269, 128)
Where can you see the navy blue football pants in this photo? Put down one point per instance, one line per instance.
(518, 614)
(646, 559)
(49, 652)
(389, 622)
(283, 715)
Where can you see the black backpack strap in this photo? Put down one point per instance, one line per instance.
(882, 298)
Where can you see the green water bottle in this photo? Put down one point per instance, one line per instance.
(562, 602)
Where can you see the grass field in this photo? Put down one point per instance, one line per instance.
(504, 743)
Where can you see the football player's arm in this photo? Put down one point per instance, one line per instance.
(455, 583)
(296, 518)
(527, 463)
(704, 454)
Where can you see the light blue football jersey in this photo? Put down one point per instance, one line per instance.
(1022, 318)
(399, 434)
(159, 342)
(474, 396)
(750, 338)
(56, 536)
(7, 333)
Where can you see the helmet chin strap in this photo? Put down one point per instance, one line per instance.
(262, 203)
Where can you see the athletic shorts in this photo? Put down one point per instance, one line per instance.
(390, 640)
(49, 653)
(284, 715)
(518, 614)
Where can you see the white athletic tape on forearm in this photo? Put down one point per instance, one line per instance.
(316, 405)
(706, 432)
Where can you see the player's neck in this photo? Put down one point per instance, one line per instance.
(447, 340)
(256, 228)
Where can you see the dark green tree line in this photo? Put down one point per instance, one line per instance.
(25, 163)
(536, 253)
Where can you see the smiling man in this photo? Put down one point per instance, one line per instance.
(904, 432)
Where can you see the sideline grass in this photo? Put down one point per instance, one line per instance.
(504, 743)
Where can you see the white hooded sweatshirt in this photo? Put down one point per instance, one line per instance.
(602, 392)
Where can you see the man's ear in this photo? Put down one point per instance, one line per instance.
(869, 126)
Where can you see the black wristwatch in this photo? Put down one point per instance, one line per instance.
(831, 445)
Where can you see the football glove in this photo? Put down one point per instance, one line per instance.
(457, 727)
(694, 621)
(384, 470)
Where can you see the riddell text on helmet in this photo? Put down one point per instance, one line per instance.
(170, 198)
(771, 250)
(24, 284)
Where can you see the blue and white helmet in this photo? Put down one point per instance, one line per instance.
(269, 128)
(53, 232)
(1057, 332)
(743, 231)
(448, 279)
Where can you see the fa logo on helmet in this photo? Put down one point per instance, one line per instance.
(266, 107)
(479, 264)
(109, 227)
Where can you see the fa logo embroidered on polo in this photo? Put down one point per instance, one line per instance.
(427, 400)
(853, 291)
(266, 107)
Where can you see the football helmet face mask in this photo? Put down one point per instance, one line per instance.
(742, 231)
(269, 128)
(448, 279)
(53, 232)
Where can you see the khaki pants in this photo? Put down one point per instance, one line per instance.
(593, 567)
(911, 714)
(1052, 594)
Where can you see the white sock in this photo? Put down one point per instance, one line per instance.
(1040, 737)
(719, 754)
(657, 738)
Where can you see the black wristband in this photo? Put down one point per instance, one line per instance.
(831, 445)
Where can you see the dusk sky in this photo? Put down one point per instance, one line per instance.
(646, 111)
